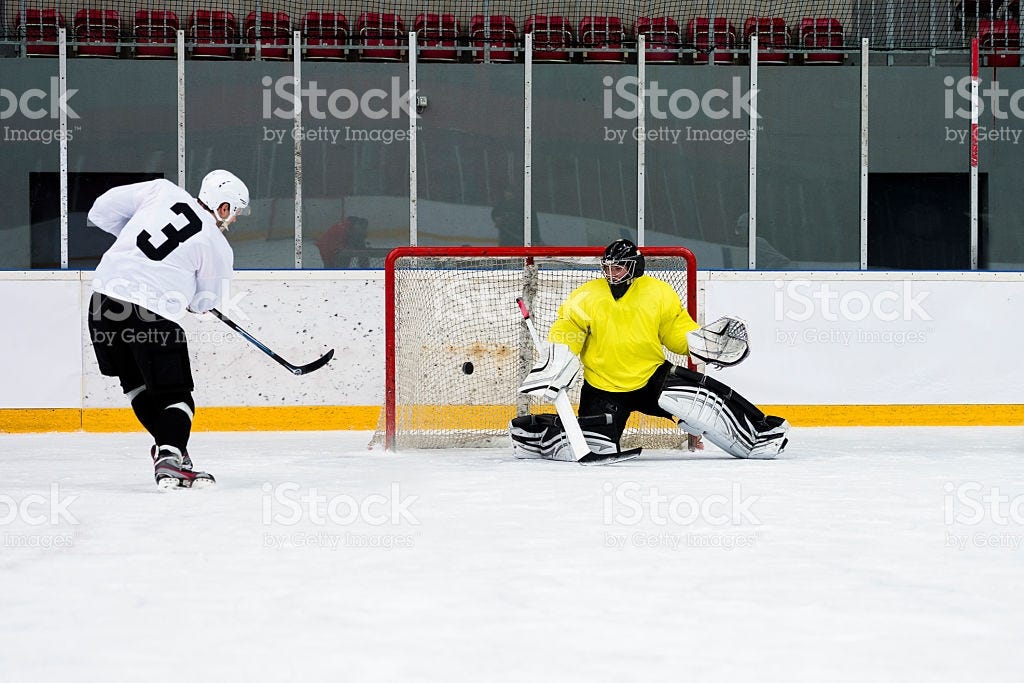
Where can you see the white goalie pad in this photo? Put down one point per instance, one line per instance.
(556, 370)
(702, 412)
(721, 343)
(542, 436)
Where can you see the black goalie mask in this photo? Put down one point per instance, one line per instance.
(621, 264)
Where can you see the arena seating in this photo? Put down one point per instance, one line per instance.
(663, 41)
(325, 35)
(39, 28)
(821, 32)
(773, 38)
(999, 42)
(155, 33)
(212, 32)
(719, 41)
(381, 36)
(496, 30)
(552, 37)
(274, 35)
(266, 32)
(601, 38)
(437, 37)
(97, 32)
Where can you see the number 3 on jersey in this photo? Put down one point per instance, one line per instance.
(175, 236)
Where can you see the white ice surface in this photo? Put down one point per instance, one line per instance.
(514, 570)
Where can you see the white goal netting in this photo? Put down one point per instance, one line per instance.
(458, 348)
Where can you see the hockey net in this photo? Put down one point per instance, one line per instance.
(457, 348)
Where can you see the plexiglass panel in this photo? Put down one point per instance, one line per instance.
(29, 152)
(235, 119)
(1001, 160)
(584, 159)
(470, 154)
(355, 160)
(118, 136)
(919, 191)
(808, 169)
(697, 159)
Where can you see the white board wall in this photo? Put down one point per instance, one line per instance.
(817, 339)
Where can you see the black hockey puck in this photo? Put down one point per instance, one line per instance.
(467, 368)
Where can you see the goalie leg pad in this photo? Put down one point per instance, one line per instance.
(703, 411)
(542, 436)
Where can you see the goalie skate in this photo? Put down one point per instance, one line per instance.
(542, 436)
(173, 470)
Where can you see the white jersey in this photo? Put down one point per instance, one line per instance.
(169, 255)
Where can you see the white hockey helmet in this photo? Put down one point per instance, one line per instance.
(223, 187)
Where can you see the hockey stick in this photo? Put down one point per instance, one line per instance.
(295, 369)
(570, 423)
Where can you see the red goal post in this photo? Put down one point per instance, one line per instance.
(456, 348)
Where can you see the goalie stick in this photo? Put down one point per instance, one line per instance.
(570, 423)
(295, 369)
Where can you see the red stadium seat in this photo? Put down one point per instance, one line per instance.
(552, 38)
(275, 35)
(818, 33)
(773, 38)
(155, 33)
(381, 35)
(97, 32)
(999, 42)
(721, 42)
(662, 38)
(436, 36)
(39, 28)
(326, 34)
(498, 31)
(602, 38)
(212, 33)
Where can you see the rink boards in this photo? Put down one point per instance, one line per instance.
(828, 348)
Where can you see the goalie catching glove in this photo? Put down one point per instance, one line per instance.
(721, 343)
(556, 370)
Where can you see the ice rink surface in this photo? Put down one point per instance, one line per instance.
(860, 555)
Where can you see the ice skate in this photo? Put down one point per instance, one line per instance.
(174, 470)
(771, 438)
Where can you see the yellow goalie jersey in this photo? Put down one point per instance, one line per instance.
(620, 341)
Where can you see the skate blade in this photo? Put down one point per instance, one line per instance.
(609, 458)
(171, 483)
(203, 483)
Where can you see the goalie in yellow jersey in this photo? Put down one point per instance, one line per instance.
(617, 329)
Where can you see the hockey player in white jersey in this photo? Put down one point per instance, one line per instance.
(170, 258)
(616, 329)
